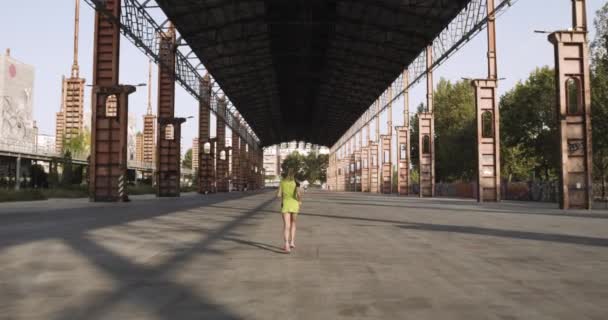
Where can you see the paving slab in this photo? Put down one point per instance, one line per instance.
(358, 256)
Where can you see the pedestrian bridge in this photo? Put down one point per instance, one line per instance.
(357, 257)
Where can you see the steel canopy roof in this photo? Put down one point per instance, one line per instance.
(307, 69)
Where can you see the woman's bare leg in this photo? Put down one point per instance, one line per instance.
(292, 230)
(286, 229)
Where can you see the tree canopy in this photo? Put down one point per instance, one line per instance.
(312, 167)
(187, 161)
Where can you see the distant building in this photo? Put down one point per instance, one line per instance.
(69, 120)
(16, 102)
(132, 137)
(139, 147)
(149, 146)
(274, 156)
(45, 144)
(195, 154)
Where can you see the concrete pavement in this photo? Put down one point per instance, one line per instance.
(357, 257)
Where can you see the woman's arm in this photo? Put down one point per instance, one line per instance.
(279, 193)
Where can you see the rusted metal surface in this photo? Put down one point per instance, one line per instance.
(426, 154)
(387, 167)
(222, 151)
(403, 156)
(108, 164)
(169, 128)
(357, 172)
(365, 186)
(374, 171)
(206, 170)
(352, 174)
(236, 160)
(574, 111)
(426, 136)
(244, 164)
(488, 140)
(488, 121)
(403, 143)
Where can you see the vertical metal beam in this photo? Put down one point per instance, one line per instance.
(244, 164)
(426, 131)
(488, 121)
(236, 159)
(222, 152)
(403, 143)
(108, 166)
(169, 128)
(206, 169)
(488, 140)
(386, 143)
(574, 111)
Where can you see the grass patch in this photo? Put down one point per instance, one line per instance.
(21, 195)
(72, 192)
(140, 189)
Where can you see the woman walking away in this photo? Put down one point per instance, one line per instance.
(290, 206)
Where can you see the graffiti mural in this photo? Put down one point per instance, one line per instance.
(16, 102)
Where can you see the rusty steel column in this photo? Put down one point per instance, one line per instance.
(426, 130)
(205, 149)
(365, 163)
(574, 111)
(341, 172)
(488, 121)
(244, 164)
(387, 139)
(373, 154)
(108, 165)
(236, 159)
(403, 143)
(359, 164)
(169, 128)
(222, 152)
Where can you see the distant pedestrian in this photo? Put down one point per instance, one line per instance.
(291, 201)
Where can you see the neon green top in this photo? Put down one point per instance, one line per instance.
(288, 192)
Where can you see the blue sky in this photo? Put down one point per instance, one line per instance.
(40, 33)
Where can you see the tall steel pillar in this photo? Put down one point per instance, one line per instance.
(168, 154)
(244, 164)
(206, 169)
(403, 143)
(426, 132)
(222, 152)
(359, 164)
(488, 121)
(373, 154)
(574, 111)
(236, 159)
(365, 185)
(386, 142)
(109, 123)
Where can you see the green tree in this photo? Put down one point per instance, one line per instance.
(455, 131)
(314, 167)
(80, 145)
(187, 161)
(529, 127)
(414, 136)
(294, 162)
(599, 97)
(67, 174)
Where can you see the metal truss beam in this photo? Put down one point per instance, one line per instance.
(137, 25)
(469, 22)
